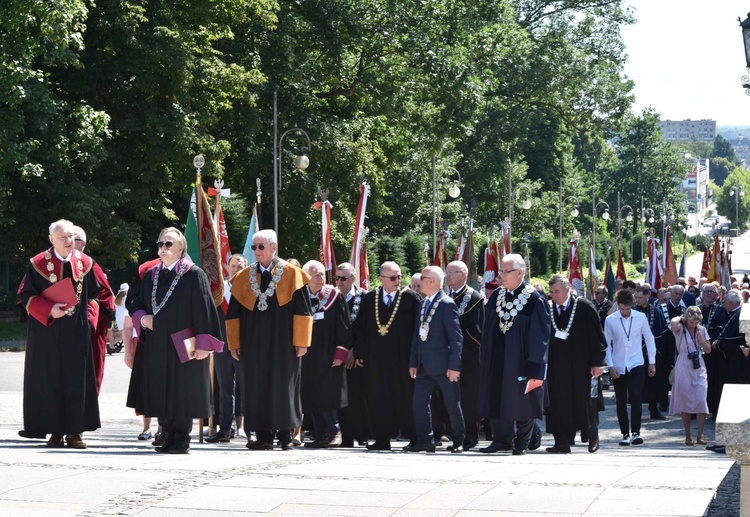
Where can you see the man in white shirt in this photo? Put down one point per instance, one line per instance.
(625, 331)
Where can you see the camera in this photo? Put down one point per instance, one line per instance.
(694, 356)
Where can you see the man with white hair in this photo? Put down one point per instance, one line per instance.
(727, 357)
(513, 359)
(435, 362)
(59, 293)
(414, 284)
(106, 301)
(323, 376)
(269, 328)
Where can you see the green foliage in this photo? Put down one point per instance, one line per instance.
(723, 149)
(414, 254)
(730, 203)
(720, 168)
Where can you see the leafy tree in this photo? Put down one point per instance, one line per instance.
(720, 168)
(730, 202)
(723, 149)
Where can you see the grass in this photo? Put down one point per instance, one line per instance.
(12, 335)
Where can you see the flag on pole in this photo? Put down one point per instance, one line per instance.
(713, 267)
(574, 267)
(209, 245)
(681, 272)
(669, 265)
(221, 226)
(505, 245)
(490, 261)
(620, 264)
(610, 279)
(253, 228)
(191, 232)
(460, 245)
(469, 259)
(653, 268)
(358, 257)
(327, 256)
(726, 281)
(593, 274)
(706, 262)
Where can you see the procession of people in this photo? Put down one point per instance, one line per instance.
(356, 367)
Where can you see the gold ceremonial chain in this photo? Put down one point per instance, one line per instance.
(383, 329)
(79, 269)
(505, 319)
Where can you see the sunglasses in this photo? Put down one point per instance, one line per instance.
(260, 247)
(164, 244)
(341, 278)
(393, 278)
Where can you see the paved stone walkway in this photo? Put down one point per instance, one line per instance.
(118, 475)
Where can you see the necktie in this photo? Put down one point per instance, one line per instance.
(388, 300)
(560, 308)
(426, 307)
(265, 279)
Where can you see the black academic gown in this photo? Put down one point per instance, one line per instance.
(569, 369)
(271, 399)
(160, 385)
(355, 418)
(323, 386)
(521, 352)
(652, 386)
(390, 389)
(59, 384)
(471, 317)
(727, 359)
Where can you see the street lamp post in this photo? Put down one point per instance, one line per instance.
(594, 206)
(745, 25)
(301, 162)
(737, 191)
(453, 191)
(573, 213)
(650, 219)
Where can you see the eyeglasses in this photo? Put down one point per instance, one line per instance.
(164, 244)
(427, 278)
(342, 278)
(710, 291)
(507, 272)
(260, 247)
(80, 240)
(393, 278)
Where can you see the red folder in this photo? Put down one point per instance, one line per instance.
(184, 344)
(62, 292)
(532, 384)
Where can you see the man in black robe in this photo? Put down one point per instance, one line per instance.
(513, 359)
(354, 419)
(323, 376)
(714, 319)
(383, 333)
(727, 357)
(602, 304)
(675, 308)
(59, 385)
(577, 351)
(269, 328)
(471, 316)
(658, 325)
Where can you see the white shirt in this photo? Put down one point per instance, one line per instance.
(624, 337)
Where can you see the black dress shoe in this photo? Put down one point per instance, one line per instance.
(558, 449)
(179, 450)
(656, 415)
(519, 452)
(594, 444)
(379, 446)
(259, 446)
(32, 436)
(456, 447)
(160, 439)
(536, 439)
(496, 447)
(219, 437)
(420, 448)
(56, 441)
(288, 446)
(469, 444)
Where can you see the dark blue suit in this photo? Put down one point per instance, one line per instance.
(433, 356)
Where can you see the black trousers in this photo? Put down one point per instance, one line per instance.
(266, 435)
(629, 386)
(512, 432)
(178, 431)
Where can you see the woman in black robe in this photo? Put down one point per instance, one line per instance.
(174, 297)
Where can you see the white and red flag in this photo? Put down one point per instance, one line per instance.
(358, 257)
(327, 256)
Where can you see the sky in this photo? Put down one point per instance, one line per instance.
(687, 58)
